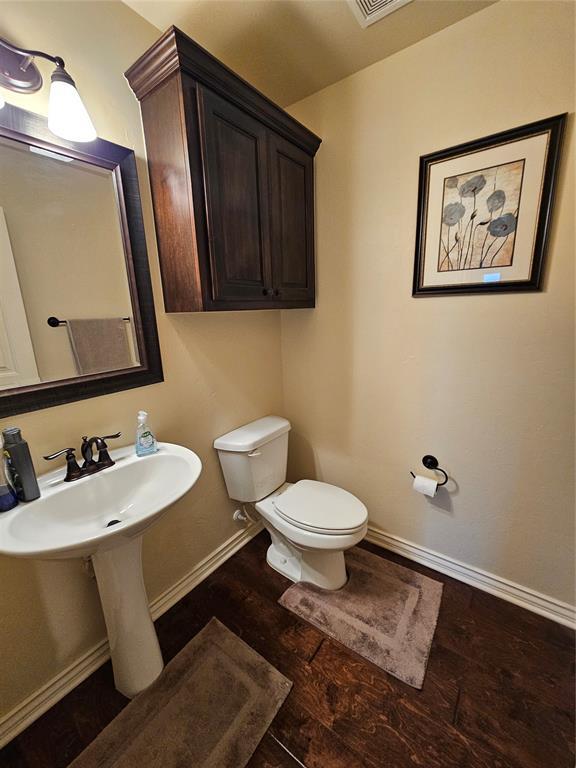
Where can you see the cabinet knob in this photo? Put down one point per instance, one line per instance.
(266, 292)
(277, 292)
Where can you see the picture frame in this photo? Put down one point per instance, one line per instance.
(484, 212)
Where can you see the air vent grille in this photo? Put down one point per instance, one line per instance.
(370, 11)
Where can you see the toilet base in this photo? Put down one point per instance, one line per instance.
(287, 566)
(325, 569)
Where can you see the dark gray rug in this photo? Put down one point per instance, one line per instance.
(208, 709)
(386, 613)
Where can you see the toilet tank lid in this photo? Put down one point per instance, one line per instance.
(253, 435)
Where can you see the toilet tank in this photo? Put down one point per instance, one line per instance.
(254, 458)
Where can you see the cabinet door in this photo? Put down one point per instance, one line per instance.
(234, 148)
(292, 217)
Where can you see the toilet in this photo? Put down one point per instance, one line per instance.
(311, 524)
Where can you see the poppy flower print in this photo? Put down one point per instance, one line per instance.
(480, 217)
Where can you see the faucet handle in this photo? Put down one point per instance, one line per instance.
(52, 456)
(73, 471)
(104, 459)
(111, 437)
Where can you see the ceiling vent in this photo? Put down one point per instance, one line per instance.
(368, 12)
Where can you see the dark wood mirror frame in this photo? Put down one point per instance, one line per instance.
(32, 129)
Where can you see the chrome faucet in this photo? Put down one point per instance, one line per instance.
(89, 466)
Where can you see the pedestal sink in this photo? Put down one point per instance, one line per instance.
(103, 516)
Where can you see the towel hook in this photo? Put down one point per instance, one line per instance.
(431, 462)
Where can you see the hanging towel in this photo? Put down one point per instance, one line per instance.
(99, 345)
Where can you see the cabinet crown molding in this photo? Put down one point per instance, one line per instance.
(175, 51)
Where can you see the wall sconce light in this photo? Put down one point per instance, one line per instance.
(67, 115)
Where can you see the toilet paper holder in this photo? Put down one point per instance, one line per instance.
(431, 462)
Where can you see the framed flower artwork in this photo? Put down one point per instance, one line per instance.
(484, 212)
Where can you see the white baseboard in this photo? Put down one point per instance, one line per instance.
(19, 718)
(525, 597)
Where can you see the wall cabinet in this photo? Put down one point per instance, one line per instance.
(232, 179)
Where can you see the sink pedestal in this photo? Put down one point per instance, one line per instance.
(136, 657)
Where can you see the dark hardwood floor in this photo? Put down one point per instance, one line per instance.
(499, 691)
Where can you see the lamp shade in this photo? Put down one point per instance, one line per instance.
(67, 115)
(2, 102)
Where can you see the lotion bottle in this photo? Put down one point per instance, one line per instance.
(145, 440)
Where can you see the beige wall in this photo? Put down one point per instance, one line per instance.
(67, 245)
(221, 370)
(373, 378)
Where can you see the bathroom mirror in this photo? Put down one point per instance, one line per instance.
(76, 309)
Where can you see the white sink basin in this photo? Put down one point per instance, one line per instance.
(70, 519)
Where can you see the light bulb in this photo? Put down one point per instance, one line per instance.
(67, 115)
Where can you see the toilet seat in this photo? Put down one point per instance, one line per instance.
(321, 508)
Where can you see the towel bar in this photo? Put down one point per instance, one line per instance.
(53, 322)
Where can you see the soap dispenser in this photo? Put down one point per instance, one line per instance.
(145, 440)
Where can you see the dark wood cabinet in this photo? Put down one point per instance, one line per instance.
(234, 147)
(291, 177)
(232, 179)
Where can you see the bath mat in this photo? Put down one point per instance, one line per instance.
(386, 613)
(208, 709)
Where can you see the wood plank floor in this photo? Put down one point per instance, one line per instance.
(499, 691)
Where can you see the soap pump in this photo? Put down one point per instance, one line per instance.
(145, 440)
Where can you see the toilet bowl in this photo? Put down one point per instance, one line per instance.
(311, 524)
